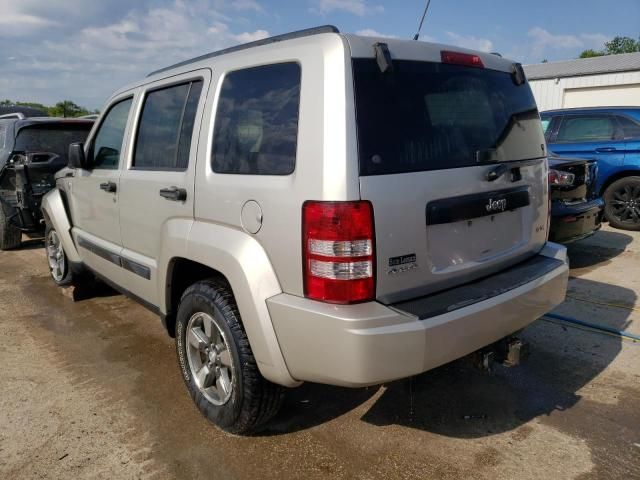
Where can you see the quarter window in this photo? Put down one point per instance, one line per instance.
(166, 127)
(631, 128)
(256, 126)
(107, 143)
(586, 129)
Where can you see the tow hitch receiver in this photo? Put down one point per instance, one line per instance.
(510, 352)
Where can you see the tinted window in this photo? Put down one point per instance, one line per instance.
(631, 128)
(107, 143)
(166, 127)
(586, 128)
(256, 126)
(545, 124)
(430, 116)
(51, 138)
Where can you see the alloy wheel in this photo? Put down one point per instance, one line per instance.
(55, 255)
(209, 358)
(625, 204)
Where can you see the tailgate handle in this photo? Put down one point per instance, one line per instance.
(174, 194)
(605, 149)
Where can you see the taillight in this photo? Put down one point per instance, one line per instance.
(459, 58)
(560, 178)
(338, 251)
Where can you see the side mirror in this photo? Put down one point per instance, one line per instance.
(76, 156)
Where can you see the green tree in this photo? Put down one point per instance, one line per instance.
(591, 53)
(622, 45)
(67, 108)
(615, 46)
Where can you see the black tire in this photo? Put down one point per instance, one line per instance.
(622, 203)
(10, 235)
(65, 277)
(253, 399)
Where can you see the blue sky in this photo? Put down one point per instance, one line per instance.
(83, 50)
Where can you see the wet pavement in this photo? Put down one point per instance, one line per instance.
(91, 389)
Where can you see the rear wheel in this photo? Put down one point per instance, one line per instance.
(622, 200)
(216, 361)
(57, 259)
(10, 235)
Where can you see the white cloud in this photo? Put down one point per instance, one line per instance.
(369, 32)
(357, 7)
(88, 63)
(544, 42)
(469, 41)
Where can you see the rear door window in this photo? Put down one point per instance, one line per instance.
(256, 125)
(432, 116)
(586, 128)
(166, 127)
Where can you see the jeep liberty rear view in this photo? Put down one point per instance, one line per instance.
(316, 207)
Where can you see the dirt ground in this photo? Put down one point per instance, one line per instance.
(92, 390)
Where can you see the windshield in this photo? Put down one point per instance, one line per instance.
(51, 138)
(432, 116)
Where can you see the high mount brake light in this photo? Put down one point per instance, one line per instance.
(338, 251)
(459, 58)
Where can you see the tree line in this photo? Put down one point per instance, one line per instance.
(64, 108)
(614, 47)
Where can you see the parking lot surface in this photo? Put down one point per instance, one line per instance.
(91, 389)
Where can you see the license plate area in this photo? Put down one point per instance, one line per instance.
(466, 231)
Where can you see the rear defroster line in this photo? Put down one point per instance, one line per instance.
(554, 318)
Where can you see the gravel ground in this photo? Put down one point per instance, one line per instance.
(92, 390)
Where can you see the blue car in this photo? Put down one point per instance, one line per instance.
(611, 136)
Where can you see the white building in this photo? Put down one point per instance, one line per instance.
(612, 80)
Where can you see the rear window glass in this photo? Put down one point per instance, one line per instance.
(256, 126)
(586, 129)
(51, 138)
(431, 116)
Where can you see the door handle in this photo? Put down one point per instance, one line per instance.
(605, 149)
(174, 194)
(109, 187)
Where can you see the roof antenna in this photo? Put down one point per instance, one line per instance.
(424, 14)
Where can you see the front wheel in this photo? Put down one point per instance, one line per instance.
(57, 258)
(216, 361)
(622, 203)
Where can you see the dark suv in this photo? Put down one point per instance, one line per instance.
(32, 150)
(611, 136)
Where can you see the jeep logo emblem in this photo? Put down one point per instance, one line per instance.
(496, 205)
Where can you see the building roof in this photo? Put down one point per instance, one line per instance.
(623, 62)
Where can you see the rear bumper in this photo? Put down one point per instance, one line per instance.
(570, 223)
(370, 343)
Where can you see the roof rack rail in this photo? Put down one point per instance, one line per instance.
(18, 115)
(278, 38)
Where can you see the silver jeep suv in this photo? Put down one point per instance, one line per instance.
(315, 207)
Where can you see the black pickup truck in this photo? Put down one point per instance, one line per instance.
(576, 208)
(32, 150)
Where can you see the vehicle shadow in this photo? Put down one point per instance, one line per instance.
(31, 244)
(597, 250)
(460, 401)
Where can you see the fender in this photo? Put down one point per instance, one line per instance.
(242, 260)
(56, 215)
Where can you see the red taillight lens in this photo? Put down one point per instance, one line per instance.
(563, 179)
(338, 251)
(459, 58)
